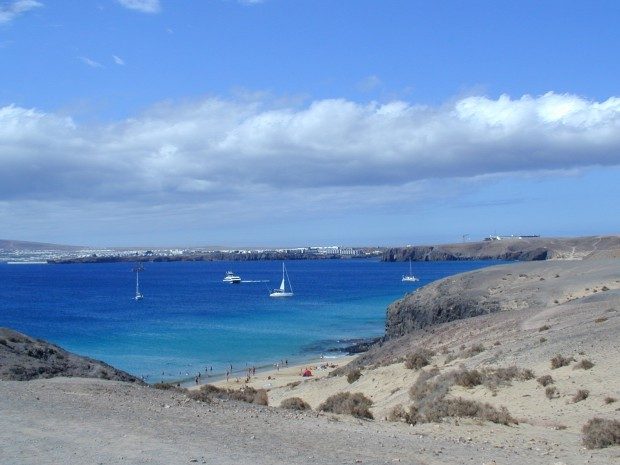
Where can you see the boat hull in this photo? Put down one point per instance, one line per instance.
(281, 294)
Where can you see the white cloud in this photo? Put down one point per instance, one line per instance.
(239, 158)
(144, 6)
(118, 60)
(92, 63)
(12, 10)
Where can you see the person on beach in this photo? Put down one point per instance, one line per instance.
(227, 375)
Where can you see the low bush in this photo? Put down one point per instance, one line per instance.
(295, 403)
(584, 364)
(247, 394)
(543, 339)
(545, 380)
(473, 409)
(609, 400)
(552, 392)
(560, 361)
(354, 375)
(599, 433)
(544, 328)
(418, 359)
(399, 414)
(582, 394)
(468, 378)
(349, 404)
(168, 387)
(601, 319)
(474, 350)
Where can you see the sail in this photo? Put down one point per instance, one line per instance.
(282, 284)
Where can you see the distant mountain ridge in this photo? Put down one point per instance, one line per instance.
(11, 245)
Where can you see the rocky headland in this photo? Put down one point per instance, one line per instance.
(24, 358)
(512, 248)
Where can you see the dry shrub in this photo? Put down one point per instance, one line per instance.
(545, 380)
(247, 394)
(552, 392)
(421, 387)
(599, 433)
(295, 403)
(354, 375)
(609, 400)
(473, 350)
(544, 328)
(293, 384)
(349, 404)
(604, 288)
(560, 361)
(543, 339)
(418, 359)
(585, 364)
(497, 343)
(474, 409)
(468, 378)
(601, 319)
(399, 414)
(168, 387)
(429, 394)
(495, 377)
(582, 394)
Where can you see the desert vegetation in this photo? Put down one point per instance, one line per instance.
(356, 404)
(582, 394)
(247, 394)
(354, 375)
(295, 403)
(552, 392)
(560, 361)
(584, 364)
(545, 380)
(418, 359)
(599, 433)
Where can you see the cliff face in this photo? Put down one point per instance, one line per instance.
(509, 287)
(526, 249)
(23, 358)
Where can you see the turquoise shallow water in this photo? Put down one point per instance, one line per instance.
(190, 319)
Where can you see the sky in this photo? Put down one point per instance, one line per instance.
(307, 122)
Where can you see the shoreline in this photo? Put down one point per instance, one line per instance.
(272, 376)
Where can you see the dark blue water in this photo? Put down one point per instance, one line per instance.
(189, 319)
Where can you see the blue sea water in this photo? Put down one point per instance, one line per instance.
(190, 319)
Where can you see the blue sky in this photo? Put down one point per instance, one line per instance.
(146, 122)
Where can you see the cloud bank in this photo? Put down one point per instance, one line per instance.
(12, 10)
(219, 150)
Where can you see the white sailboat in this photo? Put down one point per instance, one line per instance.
(410, 278)
(139, 295)
(281, 291)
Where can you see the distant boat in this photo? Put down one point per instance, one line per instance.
(409, 278)
(231, 278)
(281, 291)
(137, 270)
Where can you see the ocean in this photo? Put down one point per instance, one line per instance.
(189, 319)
